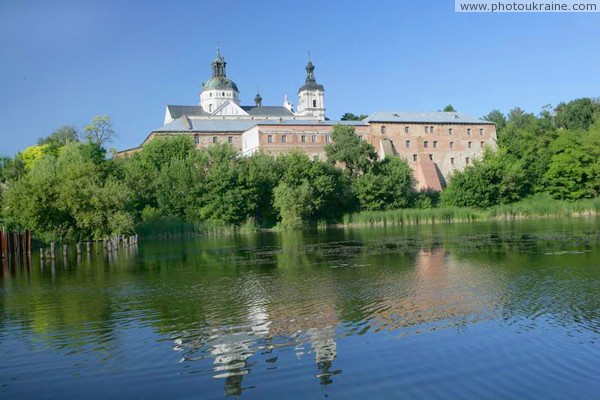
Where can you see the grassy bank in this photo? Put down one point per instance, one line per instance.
(536, 207)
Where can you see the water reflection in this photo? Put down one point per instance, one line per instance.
(240, 309)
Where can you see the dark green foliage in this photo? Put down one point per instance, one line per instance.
(574, 170)
(353, 117)
(347, 148)
(497, 118)
(388, 185)
(449, 108)
(578, 114)
(69, 197)
(496, 179)
(59, 138)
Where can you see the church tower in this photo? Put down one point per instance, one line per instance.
(311, 96)
(218, 89)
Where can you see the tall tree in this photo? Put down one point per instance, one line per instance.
(356, 154)
(100, 130)
(577, 114)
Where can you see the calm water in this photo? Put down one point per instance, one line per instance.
(479, 311)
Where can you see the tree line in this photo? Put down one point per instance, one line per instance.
(69, 188)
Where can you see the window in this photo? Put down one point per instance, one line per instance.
(451, 145)
(215, 139)
(452, 160)
(426, 144)
(315, 158)
(449, 131)
(210, 95)
(360, 137)
(481, 131)
(313, 138)
(382, 128)
(406, 129)
(431, 129)
(303, 138)
(431, 157)
(196, 139)
(223, 94)
(435, 144)
(481, 144)
(270, 139)
(467, 160)
(230, 139)
(469, 131)
(210, 108)
(327, 138)
(414, 157)
(426, 129)
(314, 104)
(469, 144)
(408, 144)
(283, 139)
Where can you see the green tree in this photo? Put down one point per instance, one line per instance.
(497, 118)
(352, 117)
(577, 114)
(496, 179)
(449, 108)
(293, 204)
(356, 154)
(61, 137)
(574, 167)
(99, 130)
(389, 185)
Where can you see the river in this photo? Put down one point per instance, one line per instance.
(499, 310)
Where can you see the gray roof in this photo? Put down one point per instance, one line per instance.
(192, 111)
(436, 117)
(268, 111)
(240, 125)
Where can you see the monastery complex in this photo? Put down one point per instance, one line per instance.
(433, 143)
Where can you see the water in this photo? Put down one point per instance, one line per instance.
(469, 311)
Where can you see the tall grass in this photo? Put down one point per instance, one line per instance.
(169, 227)
(534, 207)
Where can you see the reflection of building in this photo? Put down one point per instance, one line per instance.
(434, 143)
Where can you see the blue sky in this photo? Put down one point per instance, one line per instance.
(63, 62)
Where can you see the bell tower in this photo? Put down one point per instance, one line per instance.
(311, 100)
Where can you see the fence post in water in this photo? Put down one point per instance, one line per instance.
(88, 246)
(41, 253)
(2, 245)
(52, 249)
(64, 250)
(28, 242)
(78, 247)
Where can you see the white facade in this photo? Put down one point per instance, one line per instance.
(211, 100)
(311, 103)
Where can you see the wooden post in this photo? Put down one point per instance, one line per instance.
(78, 247)
(88, 246)
(2, 243)
(41, 253)
(64, 250)
(28, 242)
(52, 250)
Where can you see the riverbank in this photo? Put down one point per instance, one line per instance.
(538, 207)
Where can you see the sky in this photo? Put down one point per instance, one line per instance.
(64, 62)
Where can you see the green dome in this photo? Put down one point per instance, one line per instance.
(219, 83)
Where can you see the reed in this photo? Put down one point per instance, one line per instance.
(541, 206)
(169, 227)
